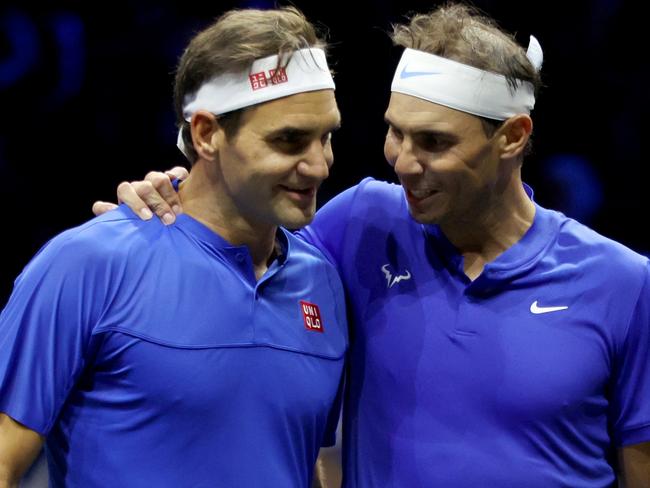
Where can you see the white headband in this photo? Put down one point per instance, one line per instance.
(465, 88)
(306, 71)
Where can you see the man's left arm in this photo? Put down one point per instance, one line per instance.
(634, 465)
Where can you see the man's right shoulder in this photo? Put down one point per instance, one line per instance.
(372, 191)
(372, 206)
(369, 199)
(115, 233)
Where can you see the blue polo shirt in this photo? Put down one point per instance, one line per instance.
(530, 376)
(150, 356)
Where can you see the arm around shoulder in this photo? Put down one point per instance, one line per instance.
(19, 447)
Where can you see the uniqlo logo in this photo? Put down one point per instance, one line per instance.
(275, 77)
(311, 316)
(279, 76)
(258, 80)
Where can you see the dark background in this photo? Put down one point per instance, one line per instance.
(86, 90)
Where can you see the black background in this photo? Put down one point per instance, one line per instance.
(86, 102)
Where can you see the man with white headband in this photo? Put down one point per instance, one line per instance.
(209, 352)
(495, 343)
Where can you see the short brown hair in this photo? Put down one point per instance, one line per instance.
(230, 45)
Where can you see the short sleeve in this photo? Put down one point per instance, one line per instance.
(631, 402)
(45, 330)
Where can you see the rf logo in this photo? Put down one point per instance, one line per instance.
(311, 316)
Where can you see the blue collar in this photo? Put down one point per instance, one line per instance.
(517, 260)
(204, 234)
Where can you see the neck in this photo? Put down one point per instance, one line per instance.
(205, 199)
(496, 227)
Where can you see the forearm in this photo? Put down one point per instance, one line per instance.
(6, 482)
(19, 447)
(10, 473)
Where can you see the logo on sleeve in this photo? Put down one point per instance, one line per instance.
(311, 316)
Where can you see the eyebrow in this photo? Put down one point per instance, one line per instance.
(419, 130)
(299, 131)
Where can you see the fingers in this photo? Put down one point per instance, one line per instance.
(127, 193)
(154, 194)
(177, 172)
(102, 207)
(163, 186)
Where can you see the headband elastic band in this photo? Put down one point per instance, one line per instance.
(462, 87)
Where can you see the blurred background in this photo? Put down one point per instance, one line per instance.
(86, 102)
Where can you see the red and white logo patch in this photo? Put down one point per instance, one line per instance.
(275, 77)
(311, 316)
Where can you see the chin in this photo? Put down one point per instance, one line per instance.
(296, 220)
(426, 217)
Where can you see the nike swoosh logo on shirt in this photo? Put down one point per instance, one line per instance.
(536, 309)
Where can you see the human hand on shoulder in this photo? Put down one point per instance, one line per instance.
(153, 194)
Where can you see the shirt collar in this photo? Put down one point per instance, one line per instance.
(193, 227)
(516, 260)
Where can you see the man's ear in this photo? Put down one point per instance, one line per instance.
(515, 133)
(206, 133)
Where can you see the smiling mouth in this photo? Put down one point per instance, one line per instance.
(419, 195)
(301, 196)
(310, 191)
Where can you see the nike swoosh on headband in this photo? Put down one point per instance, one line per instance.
(409, 74)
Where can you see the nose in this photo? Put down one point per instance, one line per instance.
(403, 157)
(317, 161)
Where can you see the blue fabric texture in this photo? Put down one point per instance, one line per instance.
(149, 355)
(531, 375)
